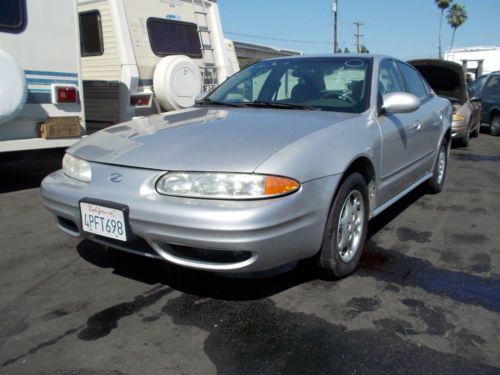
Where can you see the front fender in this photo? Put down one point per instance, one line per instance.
(328, 151)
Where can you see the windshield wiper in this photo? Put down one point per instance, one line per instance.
(259, 103)
(215, 102)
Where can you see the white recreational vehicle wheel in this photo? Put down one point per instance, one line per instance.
(177, 81)
(13, 90)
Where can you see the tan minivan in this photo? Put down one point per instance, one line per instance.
(447, 79)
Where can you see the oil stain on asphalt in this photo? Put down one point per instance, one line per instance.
(100, 324)
(398, 268)
(252, 337)
(408, 234)
(475, 157)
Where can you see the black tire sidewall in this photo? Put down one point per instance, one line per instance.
(466, 139)
(330, 262)
(495, 126)
(434, 186)
(476, 131)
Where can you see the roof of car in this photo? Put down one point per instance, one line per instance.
(340, 55)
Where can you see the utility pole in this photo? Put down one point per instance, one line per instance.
(358, 36)
(335, 6)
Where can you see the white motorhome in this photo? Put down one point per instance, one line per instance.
(231, 54)
(40, 105)
(142, 57)
(476, 60)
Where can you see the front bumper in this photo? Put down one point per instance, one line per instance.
(269, 233)
(458, 129)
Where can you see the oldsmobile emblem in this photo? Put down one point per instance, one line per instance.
(115, 177)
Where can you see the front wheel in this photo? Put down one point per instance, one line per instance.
(464, 142)
(436, 183)
(495, 126)
(476, 131)
(346, 228)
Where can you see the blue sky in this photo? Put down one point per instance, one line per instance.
(402, 28)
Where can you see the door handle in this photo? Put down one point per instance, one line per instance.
(417, 126)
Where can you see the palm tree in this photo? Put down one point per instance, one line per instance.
(457, 15)
(442, 4)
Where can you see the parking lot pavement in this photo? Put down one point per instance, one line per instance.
(426, 298)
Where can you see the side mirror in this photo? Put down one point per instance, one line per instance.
(400, 102)
(202, 95)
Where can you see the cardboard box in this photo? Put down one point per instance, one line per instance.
(59, 127)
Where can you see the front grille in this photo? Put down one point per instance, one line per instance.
(138, 246)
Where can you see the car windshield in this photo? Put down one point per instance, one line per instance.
(339, 84)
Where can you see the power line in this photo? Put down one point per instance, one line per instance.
(276, 39)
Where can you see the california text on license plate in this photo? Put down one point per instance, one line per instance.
(104, 221)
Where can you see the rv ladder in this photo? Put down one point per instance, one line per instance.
(209, 70)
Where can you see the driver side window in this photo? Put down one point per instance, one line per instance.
(389, 79)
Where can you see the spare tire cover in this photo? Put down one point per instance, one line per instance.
(13, 90)
(177, 82)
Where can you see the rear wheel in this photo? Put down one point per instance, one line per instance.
(346, 228)
(495, 126)
(436, 183)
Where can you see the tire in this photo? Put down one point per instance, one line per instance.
(476, 132)
(464, 142)
(342, 247)
(495, 126)
(436, 183)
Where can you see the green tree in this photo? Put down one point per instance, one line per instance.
(442, 4)
(457, 15)
(363, 49)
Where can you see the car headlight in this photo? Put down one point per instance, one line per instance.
(457, 118)
(76, 168)
(224, 185)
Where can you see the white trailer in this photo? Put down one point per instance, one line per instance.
(476, 60)
(143, 57)
(40, 105)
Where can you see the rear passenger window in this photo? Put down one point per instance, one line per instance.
(415, 83)
(169, 37)
(91, 34)
(12, 15)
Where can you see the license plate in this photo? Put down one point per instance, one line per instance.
(103, 221)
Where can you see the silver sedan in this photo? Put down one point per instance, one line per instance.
(288, 159)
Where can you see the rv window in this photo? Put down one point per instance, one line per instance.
(12, 15)
(169, 37)
(91, 34)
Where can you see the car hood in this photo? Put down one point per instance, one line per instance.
(203, 139)
(445, 77)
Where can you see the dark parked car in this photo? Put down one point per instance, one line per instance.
(487, 88)
(447, 79)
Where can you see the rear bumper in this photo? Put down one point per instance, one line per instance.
(260, 234)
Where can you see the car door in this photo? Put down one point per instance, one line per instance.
(427, 122)
(490, 95)
(400, 138)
